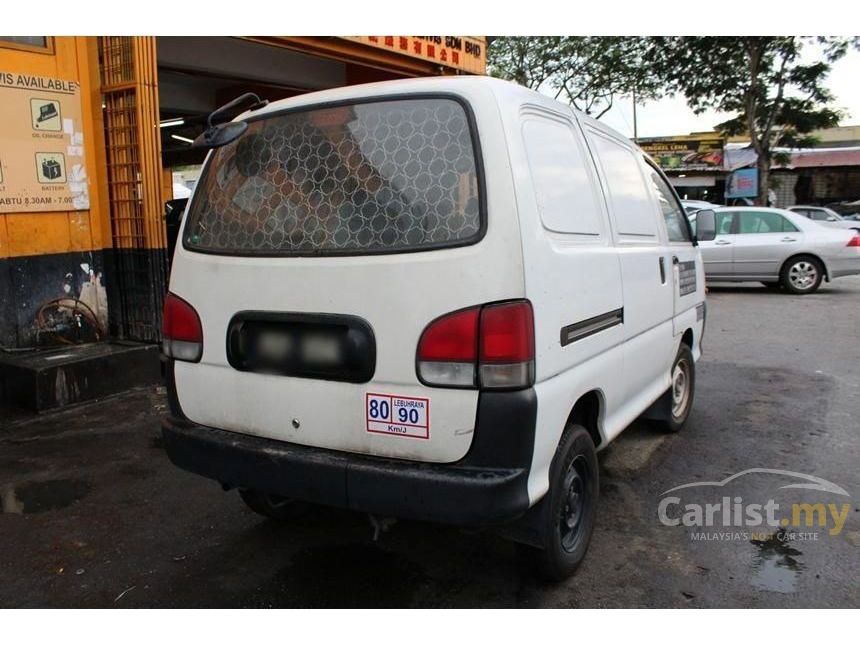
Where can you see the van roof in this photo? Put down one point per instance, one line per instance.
(502, 89)
(453, 84)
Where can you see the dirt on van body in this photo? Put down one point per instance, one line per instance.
(94, 515)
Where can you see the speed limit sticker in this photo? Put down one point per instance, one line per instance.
(406, 416)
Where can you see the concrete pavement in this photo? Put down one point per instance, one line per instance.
(96, 516)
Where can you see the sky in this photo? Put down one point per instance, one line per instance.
(670, 116)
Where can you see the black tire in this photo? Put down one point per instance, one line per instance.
(274, 507)
(774, 286)
(682, 390)
(568, 520)
(802, 275)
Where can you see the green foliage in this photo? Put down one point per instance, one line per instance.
(778, 98)
(587, 72)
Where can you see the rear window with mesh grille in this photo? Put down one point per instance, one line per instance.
(386, 176)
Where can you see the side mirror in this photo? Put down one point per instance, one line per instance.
(830, 218)
(706, 225)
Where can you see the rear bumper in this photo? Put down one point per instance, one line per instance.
(840, 267)
(489, 486)
(450, 494)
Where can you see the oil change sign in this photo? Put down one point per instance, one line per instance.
(41, 145)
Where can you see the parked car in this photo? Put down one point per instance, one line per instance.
(823, 215)
(431, 299)
(693, 205)
(779, 248)
(847, 209)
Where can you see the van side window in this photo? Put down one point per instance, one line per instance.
(628, 194)
(563, 185)
(676, 227)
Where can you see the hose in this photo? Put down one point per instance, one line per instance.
(77, 307)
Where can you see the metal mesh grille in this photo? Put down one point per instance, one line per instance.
(130, 102)
(117, 60)
(382, 176)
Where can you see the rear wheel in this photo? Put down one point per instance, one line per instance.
(567, 523)
(273, 506)
(802, 275)
(681, 389)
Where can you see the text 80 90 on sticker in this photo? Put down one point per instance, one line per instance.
(406, 416)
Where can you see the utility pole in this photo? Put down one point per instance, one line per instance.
(635, 125)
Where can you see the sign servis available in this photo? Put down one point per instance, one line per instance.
(42, 155)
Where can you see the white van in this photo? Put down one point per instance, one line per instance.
(430, 299)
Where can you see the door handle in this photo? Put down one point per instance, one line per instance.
(789, 239)
(722, 243)
(662, 263)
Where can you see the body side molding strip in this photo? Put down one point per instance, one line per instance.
(584, 328)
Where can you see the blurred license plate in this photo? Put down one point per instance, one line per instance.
(320, 349)
(324, 346)
(274, 345)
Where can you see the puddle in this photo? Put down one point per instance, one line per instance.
(776, 565)
(38, 497)
(351, 576)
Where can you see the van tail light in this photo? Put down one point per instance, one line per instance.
(448, 349)
(490, 347)
(507, 345)
(182, 334)
(854, 241)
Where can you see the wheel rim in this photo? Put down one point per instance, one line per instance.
(680, 388)
(572, 524)
(803, 275)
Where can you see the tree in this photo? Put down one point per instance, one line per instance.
(777, 98)
(587, 72)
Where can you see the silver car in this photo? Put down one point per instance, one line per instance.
(777, 247)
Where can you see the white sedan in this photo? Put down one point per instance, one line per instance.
(779, 248)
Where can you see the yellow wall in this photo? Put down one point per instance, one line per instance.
(23, 234)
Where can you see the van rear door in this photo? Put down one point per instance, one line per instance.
(316, 249)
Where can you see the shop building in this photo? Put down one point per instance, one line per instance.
(706, 166)
(93, 129)
(695, 163)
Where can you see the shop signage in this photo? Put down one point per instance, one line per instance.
(41, 145)
(465, 53)
(685, 153)
(742, 183)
